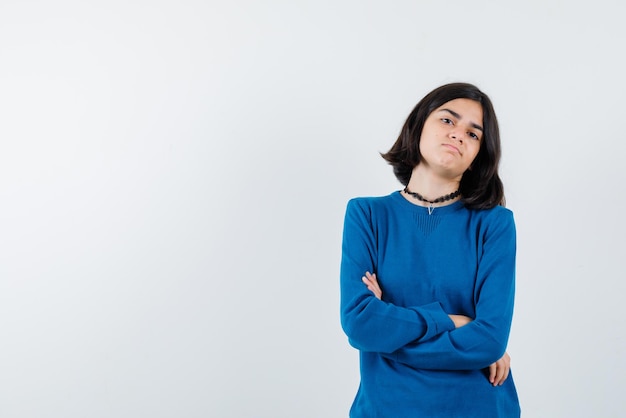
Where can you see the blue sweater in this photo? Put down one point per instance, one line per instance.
(413, 361)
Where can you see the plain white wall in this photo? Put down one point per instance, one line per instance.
(174, 174)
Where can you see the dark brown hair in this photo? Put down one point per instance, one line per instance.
(481, 187)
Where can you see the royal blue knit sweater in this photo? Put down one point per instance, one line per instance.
(413, 361)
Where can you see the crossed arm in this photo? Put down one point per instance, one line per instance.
(498, 371)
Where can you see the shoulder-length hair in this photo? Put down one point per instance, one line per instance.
(481, 187)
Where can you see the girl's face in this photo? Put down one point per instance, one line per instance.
(451, 137)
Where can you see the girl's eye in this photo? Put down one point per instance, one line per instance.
(446, 120)
(473, 135)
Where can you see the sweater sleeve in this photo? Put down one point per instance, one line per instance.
(372, 324)
(483, 341)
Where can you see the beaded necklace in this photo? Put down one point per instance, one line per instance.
(440, 199)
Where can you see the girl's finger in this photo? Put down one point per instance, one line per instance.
(492, 373)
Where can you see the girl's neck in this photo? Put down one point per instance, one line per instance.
(430, 187)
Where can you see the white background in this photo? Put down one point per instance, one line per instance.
(174, 175)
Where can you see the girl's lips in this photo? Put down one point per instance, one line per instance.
(452, 147)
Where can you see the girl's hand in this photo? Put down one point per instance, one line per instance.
(460, 320)
(372, 284)
(499, 371)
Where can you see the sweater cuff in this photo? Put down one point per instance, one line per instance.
(437, 320)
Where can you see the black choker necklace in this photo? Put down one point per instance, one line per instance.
(440, 199)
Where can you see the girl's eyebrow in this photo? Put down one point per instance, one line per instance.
(456, 115)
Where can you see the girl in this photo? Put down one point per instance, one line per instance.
(428, 272)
